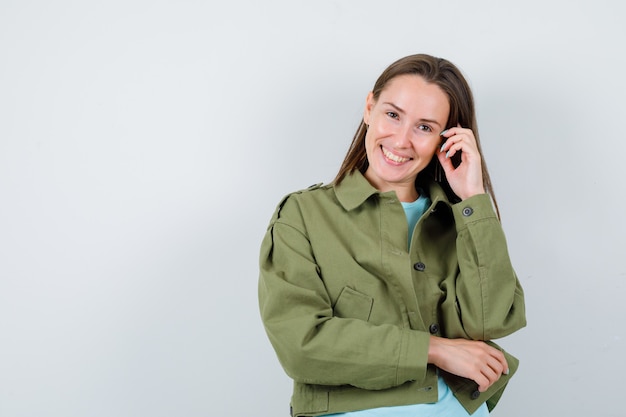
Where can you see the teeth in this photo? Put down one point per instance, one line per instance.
(393, 157)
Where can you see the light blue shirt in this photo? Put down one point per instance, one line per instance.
(415, 210)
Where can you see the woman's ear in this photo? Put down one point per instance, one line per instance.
(369, 104)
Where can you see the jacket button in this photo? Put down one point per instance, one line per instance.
(475, 395)
(468, 211)
(433, 328)
(419, 266)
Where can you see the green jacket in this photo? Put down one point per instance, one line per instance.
(349, 310)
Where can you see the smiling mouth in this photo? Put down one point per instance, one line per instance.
(393, 157)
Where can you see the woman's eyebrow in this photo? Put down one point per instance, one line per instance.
(400, 110)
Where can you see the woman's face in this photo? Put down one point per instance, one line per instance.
(403, 133)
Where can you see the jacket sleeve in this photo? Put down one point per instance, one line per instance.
(313, 345)
(490, 299)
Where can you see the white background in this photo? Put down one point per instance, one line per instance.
(145, 144)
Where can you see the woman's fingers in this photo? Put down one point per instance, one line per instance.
(471, 359)
(465, 178)
(495, 366)
(492, 372)
(458, 139)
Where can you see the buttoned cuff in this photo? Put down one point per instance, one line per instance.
(413, 361)
(473, 209)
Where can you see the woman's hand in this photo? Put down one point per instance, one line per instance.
(471, 359)
(466, 180)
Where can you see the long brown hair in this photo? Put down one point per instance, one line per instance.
(462, 112)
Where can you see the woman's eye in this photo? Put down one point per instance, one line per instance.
(393, 115)
(425, 128)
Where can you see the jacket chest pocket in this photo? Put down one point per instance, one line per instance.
(353, 304)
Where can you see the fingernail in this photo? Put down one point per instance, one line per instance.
(441, 149)
(444, 132)
(506, 372)
(448, 154)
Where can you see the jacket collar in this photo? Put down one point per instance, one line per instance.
(354, 190)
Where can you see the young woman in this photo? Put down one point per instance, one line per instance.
(382, 291)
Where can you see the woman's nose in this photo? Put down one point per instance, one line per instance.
(403, 137)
